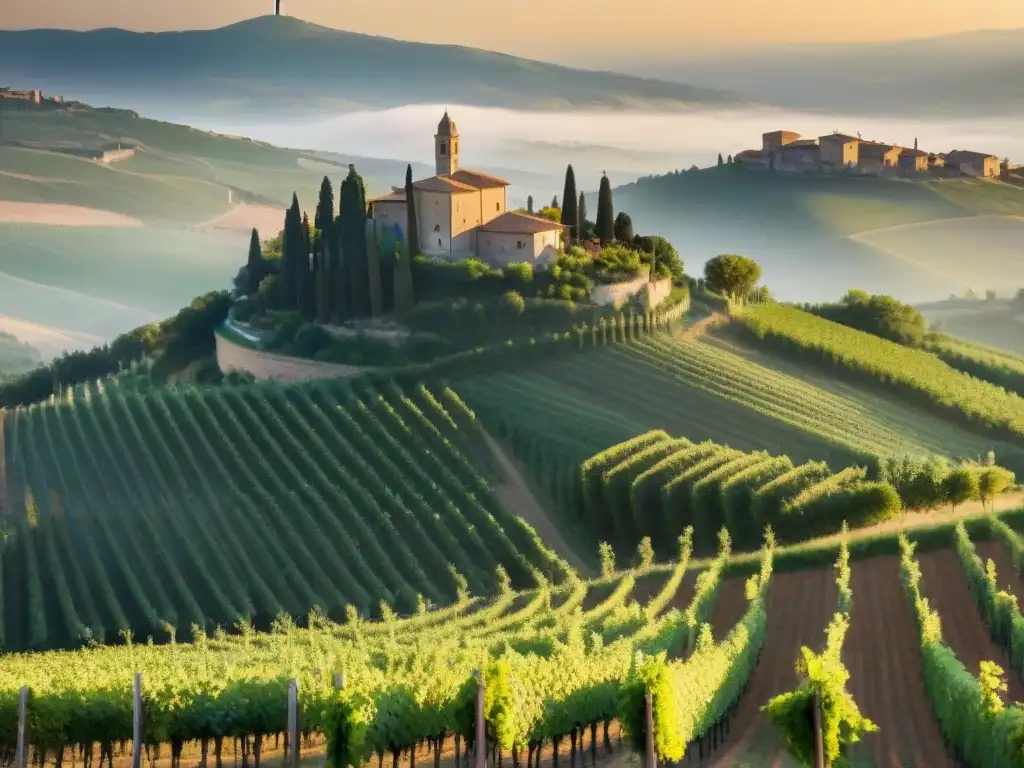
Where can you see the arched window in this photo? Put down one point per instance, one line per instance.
(444, 149)
(439, 241)
(519, 244)
(437, 227)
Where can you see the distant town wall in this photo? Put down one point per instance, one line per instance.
(266, 366)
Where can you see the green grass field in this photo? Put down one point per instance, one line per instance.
(44, 177)
(826, 225)
(151, 270)
(1000, 326)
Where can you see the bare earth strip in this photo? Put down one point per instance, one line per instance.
(62, 215)
(50, 341)
(516, 496)
(882, 655)
(245, 217)
(963, 630)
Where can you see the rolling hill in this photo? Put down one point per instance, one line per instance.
(916, 240)
(976, 72)
(281, 66)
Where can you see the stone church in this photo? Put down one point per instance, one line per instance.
(462, 213)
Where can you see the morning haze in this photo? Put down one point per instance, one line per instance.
(451, 383)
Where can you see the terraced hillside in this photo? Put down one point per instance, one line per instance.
(748, 398)
(129, 511)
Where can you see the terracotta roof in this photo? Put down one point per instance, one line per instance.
(390, 197)
(840, 137)
(781, 133)
(751, 153)
(958, 156)
(515, 223)
(443, 184)
(478, 179)
(913, 153)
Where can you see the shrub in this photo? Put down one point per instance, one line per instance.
(310, 339)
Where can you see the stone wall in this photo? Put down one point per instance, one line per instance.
(619, 293)
(658, 291)
(266, 365)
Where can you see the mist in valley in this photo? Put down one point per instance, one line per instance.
(531, 149)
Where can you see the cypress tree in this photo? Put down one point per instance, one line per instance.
(353, 236)
(605, 224)
(254, 266)
(373, 265)
(529, 204)
(341, 294)
(304, 284)
(554, 201)
(405, 297)
(623, 227)
(728, 160)
(290, 247)
(412, 232)
(569, 213)
(581, 222)
(325, 252)
(720, 160)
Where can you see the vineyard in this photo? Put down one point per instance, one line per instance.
(557, 666)
(156, 512)
(917, 373)
(580, 405)
(655, 486)
(1003, 369)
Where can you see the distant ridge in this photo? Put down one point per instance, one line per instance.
(273, 63)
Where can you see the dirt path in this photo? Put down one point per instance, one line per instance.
(800, 605)
(517, 498)
(962, 627)
(699, 328)
(729, 607)
(881, 653)
(1006, 574)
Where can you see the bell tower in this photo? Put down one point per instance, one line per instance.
(446, 147)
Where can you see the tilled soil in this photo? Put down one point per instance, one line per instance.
(882, 654)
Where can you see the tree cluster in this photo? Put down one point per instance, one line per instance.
(341, 266)
(172, 344)
(877, 314)
(924, 484)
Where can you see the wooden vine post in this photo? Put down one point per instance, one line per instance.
(138, 747)
(339, 734)
(292, 745)
(650, 757)
(480, 745)
(21, 751)
(819, 747)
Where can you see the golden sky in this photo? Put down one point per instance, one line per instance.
(555, 29)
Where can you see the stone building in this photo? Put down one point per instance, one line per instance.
(461, 213)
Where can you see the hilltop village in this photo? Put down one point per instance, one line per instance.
(788, 151)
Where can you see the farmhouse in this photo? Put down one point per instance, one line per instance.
(787, 151)
(462, 213)
(973, 163)
(873, 156)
